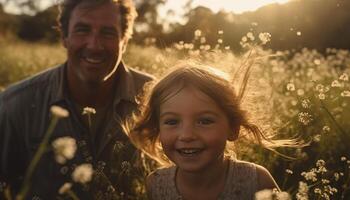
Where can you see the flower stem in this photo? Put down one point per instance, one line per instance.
(41, 150)
(72, 194)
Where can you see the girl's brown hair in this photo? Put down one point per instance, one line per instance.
(143, 127)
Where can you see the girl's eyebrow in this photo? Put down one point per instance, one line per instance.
(167, 113)
(199, 113)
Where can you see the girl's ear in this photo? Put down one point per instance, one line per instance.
(234, 134)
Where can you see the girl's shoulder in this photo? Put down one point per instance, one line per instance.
(241, 180)
(160, 184)
(244, 179)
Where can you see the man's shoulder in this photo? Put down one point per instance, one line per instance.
(29, 85)
(139, 78)
(140, 75)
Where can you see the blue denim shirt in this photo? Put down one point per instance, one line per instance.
(24, 119)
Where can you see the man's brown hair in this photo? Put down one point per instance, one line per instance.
(126, 7)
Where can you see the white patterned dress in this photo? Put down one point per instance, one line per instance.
(241, 183)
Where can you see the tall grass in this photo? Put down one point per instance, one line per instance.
(304, 94)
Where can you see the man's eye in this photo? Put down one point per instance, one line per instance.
(170, 122)
(110, 33)
(205, 121)
(81, 30)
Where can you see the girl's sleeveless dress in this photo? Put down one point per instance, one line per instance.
(241, 183)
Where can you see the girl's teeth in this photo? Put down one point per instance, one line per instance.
(189, 151)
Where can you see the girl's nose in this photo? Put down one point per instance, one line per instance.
(187, 133)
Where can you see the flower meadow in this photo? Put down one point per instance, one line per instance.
(299, 94)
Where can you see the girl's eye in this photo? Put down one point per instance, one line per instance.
(170, 122)
(205, 121)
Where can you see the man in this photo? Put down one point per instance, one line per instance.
(95, 34)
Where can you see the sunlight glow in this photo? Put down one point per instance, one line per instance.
(236, 6)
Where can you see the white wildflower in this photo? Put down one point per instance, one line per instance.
(305, 103)
(65, 188)
(345, 93)
(321, 96)
(326, 129)
(59, 111)
(82, 173)
(336, 83)
(317, 191)
(344, 77)
(290, 87)
(250, 35)
(220, 41)
(64, 148)
(302, 191)
(288, 171)
(89, 110)
(325, 181)
(309, 176)
(264, 37)
(320, 88)
(304, 118)
(336, 176)
(197, 33)
(343, 158)
(282, 196)
(320, 163)
(220, 32)
(203, 40)
(317, 138)
(300, 92)
(263, 195)
(317, 61)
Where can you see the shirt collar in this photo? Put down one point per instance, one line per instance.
(124, 90)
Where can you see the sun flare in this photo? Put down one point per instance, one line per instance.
(237, 6)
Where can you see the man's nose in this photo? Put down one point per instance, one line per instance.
(94, 42)
(187, 133)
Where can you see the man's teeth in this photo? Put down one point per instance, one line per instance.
(93, 60)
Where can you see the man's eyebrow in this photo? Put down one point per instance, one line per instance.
(109, 28)
(80, 24)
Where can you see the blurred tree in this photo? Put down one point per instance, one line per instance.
(147, 23)
(8, 24)
(29, 7)
(294, 25)
(40, 26)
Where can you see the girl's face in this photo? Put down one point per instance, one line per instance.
(193, 130)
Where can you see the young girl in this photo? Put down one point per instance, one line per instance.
(186, 118)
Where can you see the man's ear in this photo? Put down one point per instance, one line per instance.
(125, 43)
(64, 41)
(234, 133)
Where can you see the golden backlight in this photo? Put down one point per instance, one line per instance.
(237, 6)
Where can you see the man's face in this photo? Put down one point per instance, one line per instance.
(94, 42)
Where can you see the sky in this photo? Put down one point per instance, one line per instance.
(236, 6)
